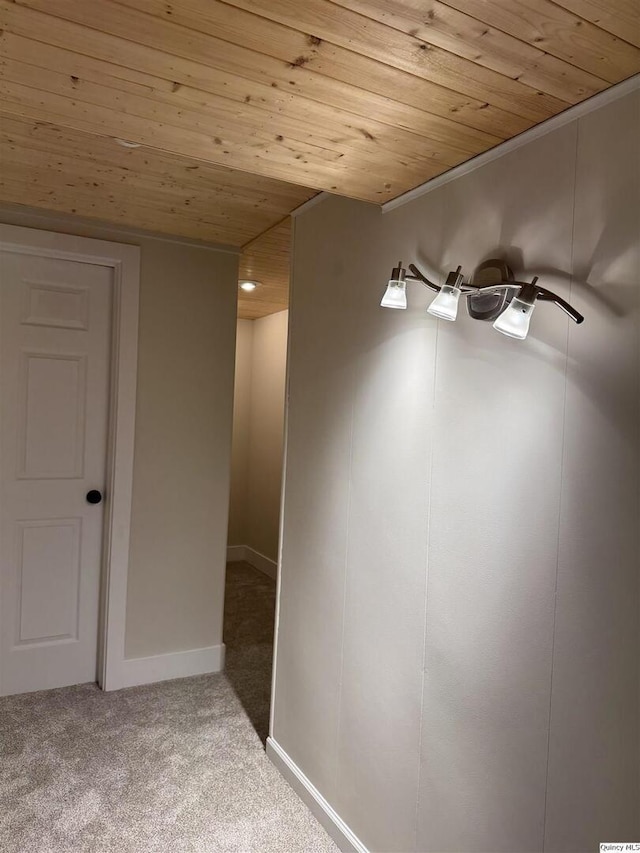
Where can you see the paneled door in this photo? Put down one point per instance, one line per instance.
(55, 327)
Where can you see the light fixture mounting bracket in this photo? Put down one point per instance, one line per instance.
(489, 306)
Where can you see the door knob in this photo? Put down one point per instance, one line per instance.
(94, 496)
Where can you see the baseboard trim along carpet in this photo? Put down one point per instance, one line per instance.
(245, 554)
(137, 671)
(313, 799)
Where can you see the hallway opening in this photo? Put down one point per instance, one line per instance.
(254, 510)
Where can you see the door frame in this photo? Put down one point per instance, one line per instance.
(124, 261)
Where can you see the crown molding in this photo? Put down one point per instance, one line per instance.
(316, 199)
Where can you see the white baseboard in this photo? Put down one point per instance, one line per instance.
(259, 561)
(135, 671)
(235, 553)
(313, 799)
(246, 554)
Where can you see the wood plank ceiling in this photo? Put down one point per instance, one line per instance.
(243, 109)
(266, 260)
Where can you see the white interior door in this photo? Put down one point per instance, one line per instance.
(55, 325)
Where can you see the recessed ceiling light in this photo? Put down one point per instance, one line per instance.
(248, 286)
(126, 143)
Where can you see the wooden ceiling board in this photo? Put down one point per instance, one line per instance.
(197, 59)
(192, 109)
(30, 138)
(322, 121)
(267, 260)
(410, 146)
(560, 33)
(245, 108)
(620, 18)
(64, 170)
(332, 147)
(236, 122)
(464, 35)
(329, 22)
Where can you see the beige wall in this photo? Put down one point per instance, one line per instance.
(183, 434)
(182, 452)
(457, 654)
(241, 433)
(267, 433)
(261, 354)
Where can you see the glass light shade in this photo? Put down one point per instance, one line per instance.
(445, 305)
(514, 320)
(395, 295)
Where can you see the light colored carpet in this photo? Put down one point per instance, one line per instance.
(176, 767)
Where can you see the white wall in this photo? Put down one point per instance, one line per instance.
(261, 354)
(175, 592)
(457, 653)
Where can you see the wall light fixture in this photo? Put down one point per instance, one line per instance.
(493, 295)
